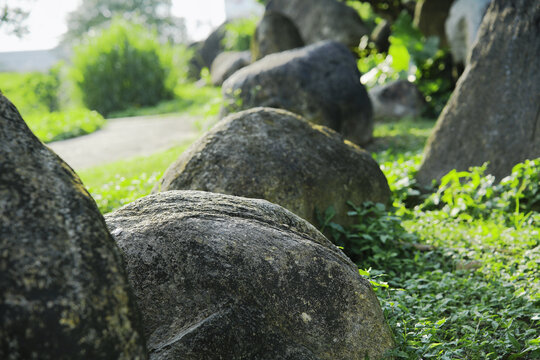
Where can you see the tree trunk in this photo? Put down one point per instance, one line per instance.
(494, 112)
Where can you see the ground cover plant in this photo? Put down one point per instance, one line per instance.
(456, 274)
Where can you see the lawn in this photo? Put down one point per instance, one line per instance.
(456, 271)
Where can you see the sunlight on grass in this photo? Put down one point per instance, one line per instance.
(189, 98)
(121, 182)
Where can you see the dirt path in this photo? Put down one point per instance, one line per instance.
(125, 138)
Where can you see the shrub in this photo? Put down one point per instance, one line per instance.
(122, 66)
(238, 34)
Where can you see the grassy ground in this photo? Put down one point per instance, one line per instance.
(116, 184)
(189, 97)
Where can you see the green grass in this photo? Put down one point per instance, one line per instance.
(459, 271)
(189, 98)
(121, 182)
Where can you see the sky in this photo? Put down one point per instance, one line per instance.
(47, 21)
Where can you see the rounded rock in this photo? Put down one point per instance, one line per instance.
(276, 155)
(63, 288)
(223, 277)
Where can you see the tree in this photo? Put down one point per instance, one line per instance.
(156, 14)
(494, 113)
(12, 19)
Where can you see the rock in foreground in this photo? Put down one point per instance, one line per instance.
(276, 155)
(63, 289)
(222, 277)
(320, 82)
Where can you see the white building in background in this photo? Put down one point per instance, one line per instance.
(242, 8)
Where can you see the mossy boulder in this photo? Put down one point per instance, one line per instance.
(223, 277)
(320, 82)
(278, 156)
(63, 288)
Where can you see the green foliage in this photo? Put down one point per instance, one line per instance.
(453, 284)
(238, 34)
(64, 124)
(45, 87)
(376, 240)
(36, 96)
(365, 11)
(410, 56)
(32, 92)
(123, 66)
(473, 195)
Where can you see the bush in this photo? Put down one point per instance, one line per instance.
(123, 66)
(238, 34)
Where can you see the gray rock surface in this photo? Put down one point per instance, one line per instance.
(494, 112)
(63, 288)
(462, 25)
(319, 20)
(430, 16)
(396, 100)
(276, 155)
(274, 33)
(321, 82)
(206, 51)
(380, 36)
(223, 277)
(227, 63)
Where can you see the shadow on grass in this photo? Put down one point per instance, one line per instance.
(401, 136)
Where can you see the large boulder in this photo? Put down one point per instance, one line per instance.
(319, 20)
(223, 277)
(396, 100)
(227, 63)
(321, 82)
(430, 16)
(493, 114)
(276, 155)
(63, 288)
(462, 25)
(274, 33)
